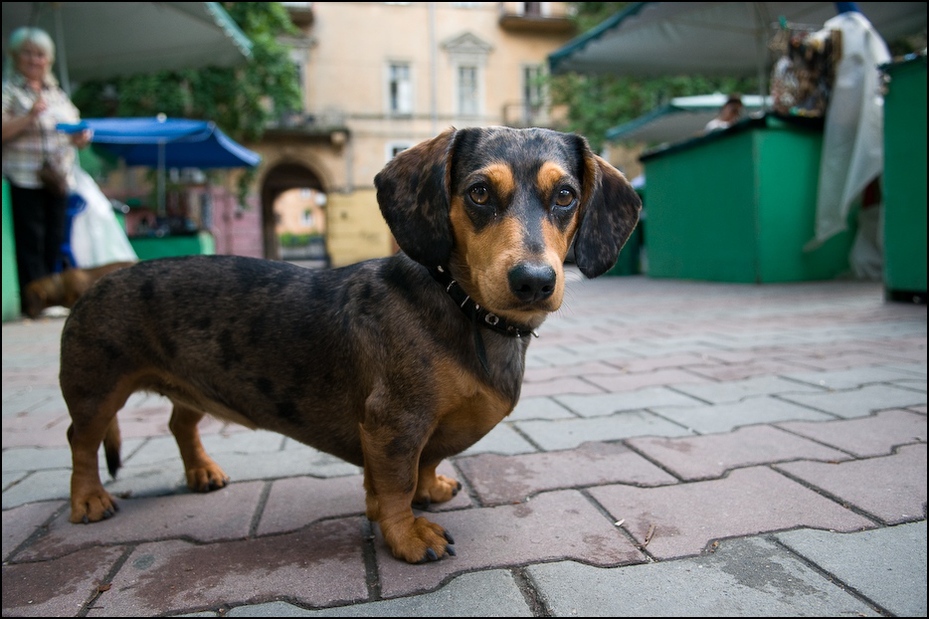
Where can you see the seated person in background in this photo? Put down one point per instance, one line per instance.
(728, 115)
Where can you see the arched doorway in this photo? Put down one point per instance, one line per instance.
(293, 207)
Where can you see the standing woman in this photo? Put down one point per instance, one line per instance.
(33, 104)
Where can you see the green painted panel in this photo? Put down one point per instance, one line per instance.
(739, 205)
(700, 214)
(11, 309)
(149, 248)
(904, 186)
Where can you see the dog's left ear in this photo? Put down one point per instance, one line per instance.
(413, 193)
(609, 215)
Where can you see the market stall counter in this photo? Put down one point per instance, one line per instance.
(738, 205)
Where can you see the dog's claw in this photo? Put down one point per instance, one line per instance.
(448, 537)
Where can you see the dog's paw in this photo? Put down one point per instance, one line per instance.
(438, 489)
(206, 478)
(92, 507)
(422, 542)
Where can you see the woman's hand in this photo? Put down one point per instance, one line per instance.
(82, 139)
(37, 108)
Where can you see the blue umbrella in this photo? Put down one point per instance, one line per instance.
(167, 143)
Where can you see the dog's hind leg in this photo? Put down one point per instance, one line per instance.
(203, 474)
(434, 488)
(89, 501)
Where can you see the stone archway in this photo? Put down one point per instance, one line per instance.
(281, 178)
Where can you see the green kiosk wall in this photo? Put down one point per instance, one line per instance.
(11, 309)
(739, 205)
(904, 186)
(148, 248)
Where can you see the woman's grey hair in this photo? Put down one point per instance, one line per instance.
(36, 36)
(21, 36)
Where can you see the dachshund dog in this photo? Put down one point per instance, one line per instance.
(63, 288)
(392, 364)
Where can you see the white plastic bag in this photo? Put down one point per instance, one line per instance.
(96, 236)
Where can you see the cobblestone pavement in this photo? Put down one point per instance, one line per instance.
(680, 448)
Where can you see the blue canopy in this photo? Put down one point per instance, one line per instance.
(167, 142)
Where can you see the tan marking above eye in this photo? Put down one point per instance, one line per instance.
(550, 176)
(498, 176)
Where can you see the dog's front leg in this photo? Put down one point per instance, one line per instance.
(390, 479)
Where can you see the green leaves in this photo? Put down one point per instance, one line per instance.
(240, 101)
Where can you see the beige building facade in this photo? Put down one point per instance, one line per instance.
(378, 77)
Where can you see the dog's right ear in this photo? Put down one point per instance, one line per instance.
(413, 193)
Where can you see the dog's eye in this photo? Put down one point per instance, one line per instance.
(565, 197)
(479, 194)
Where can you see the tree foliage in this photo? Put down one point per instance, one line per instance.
(598, 102)
(239, 100)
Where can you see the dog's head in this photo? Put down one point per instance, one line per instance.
(500, 208)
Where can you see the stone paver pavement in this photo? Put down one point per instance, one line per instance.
(680, 448)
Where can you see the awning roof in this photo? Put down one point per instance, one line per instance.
(682, 118)
(710, 38)
(186, 143)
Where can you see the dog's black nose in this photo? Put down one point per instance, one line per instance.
(532, 282)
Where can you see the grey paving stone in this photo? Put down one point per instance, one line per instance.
(568, 433)
(887, 566)
(57, 588)
(640, 380)
(721, 393)
(499, 480)
(742, 578)
(892, 488)
(553, 525)
(36, 459)
(866, 436)
(492, 593)
(703, 457)
(683, 519)
(318, 566)
(538, 408)
(503, 439)
(859, 402)
(38, 486)
(223, 514)
(21, 522)
(600, 404)
(853, 377)
(710, 418)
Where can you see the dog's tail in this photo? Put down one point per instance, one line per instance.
(112, 443)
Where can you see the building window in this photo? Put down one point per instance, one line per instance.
(307, 219)
(395, 148)
(399, 89)
(533, 93)
(468, 90)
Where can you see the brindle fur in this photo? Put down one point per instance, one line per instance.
(373, 362)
